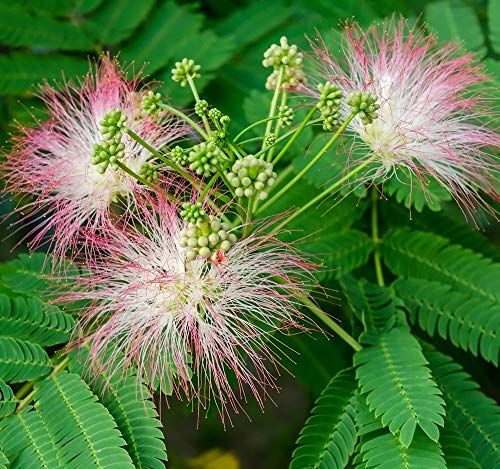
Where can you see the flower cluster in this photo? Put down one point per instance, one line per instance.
(430, 120)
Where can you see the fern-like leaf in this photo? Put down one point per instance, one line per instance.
(494, 23)
(84, 432)
(29, 318)
(20, 71)
(7, 400)
(476, 416)
(115, 20)
(329, 435)
(383, 450)
(26, 443)
(374, 306)
(19, 27)
(467, 323)
(398, 385)
(429, 256)
(456, 448)
(3, 460)
(130, 404)
(22, 361)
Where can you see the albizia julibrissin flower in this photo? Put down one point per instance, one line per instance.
(52, 162)
(208, 323)
(433, 115)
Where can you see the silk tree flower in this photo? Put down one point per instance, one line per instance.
(52, 162)
(433, 115)
(209, 323)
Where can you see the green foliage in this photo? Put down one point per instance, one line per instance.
(7, 400)
(374, 306)
(494, 24)
(329, 435)
(393, 374)
(476, 416)
(22, 361)
(30, 319)
(456, 448)
(380, 448)
(25, 442)
(20, 71)
(129, 403)
(462, 320)
(429, 256)
(456, 20)
(18, 27)
(83, 430)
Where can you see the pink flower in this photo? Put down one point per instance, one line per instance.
(207, 323)
(52, 162)
(433, 117)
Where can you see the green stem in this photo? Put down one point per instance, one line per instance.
(250, 140)
(324, 193)
(297, 132)
(277, 129)
(345, 336)
(274, 103)
(376, 240)
(197, 99)
(29, 397)
(207, 187)
(311, 163)
(251, 126)
(161, 157)
(185, 118)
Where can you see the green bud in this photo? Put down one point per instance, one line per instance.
(184, 69)
(363, 103)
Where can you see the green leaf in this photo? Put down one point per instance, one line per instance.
(29, 318)
(20, 71)
(22, 361)
(494, 24)
(454, 20)
(130, 404)
(329, 435)
(18, 27)
(27, 444)
(61, 7)
(7, 400)
(394, 375)
(84, 432)
(3, 460)
(254, 21)
(410, 191)
(374, 306)
(383, 450)
(476, 416)
(469, 323)
(159, 42)
(456, 448)
(428, 256)
(116, 20)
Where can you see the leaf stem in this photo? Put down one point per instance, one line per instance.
(197, 99)
(345, 336)
(376, 240)
(251, 126)
(29, 397)
(323, 194)
(311, 163)
(274, 103)
(185, 118)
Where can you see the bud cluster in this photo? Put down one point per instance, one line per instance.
(364, 104)
(111, 148)
(286, 116)
(149, 172)
(150, 102)
(193, 213)
(179, 156)
(287, 58)
(329, 105)
(201, 108)
(205, 158)
(251, 176)
(205, 238)
(184, 69)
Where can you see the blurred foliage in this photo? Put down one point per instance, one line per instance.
(54, 40)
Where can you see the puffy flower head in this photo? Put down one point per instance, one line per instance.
(209, 323)
(53, 161)
(430, 121)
